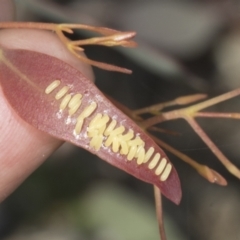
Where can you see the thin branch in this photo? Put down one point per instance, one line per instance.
(161, 130)
(231, 168)
(206, 172)
(211, 175)
(217, 115)
(28, 25)
(110, 38)
(159, 212)
(105, 66)
(101, 30)
(154, 109)
(188, 111)
(213, 101)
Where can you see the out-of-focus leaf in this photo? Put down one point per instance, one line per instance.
(109, 212)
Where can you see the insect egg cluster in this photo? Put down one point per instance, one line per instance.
(105, 131)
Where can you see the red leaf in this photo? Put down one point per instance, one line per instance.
(25, 76)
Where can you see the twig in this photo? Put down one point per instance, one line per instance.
(159, 212)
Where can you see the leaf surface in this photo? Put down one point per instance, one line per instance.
(25, 76)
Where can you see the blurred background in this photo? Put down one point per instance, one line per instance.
(185, 47)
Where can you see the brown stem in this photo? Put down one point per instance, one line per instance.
(62, 37)
(145, 124)
(178, 101)
(231, 168)
(189, 111)
(161, 130)
(112, 38)
(159, 212)
(120, 38)
(52, 26)
(105, 66)
(29, 25)
(101, 30)
(206, 172)
(212, 101)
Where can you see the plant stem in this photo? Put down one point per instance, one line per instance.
(213, 101)
(231, 168)
(111, 38)
(203, 170)
(178, 101)
(217, 115)
(159, 212)
(29, 25)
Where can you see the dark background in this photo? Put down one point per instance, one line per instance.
(185, 47)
